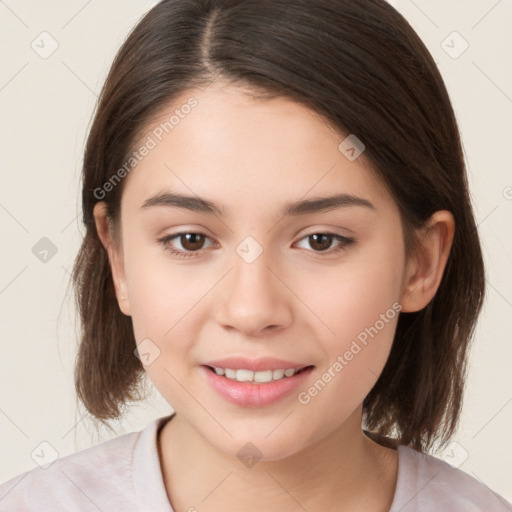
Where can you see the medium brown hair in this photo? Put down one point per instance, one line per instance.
(360, 65)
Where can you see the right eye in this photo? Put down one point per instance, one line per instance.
(190, 242)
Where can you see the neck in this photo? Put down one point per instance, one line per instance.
(346, 470)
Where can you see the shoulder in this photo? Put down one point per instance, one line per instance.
(77, 481)
(428, 483)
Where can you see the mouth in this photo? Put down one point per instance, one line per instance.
(250, 388)
(257, 377)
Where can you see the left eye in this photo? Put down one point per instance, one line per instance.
(322, 241)
(192, 243)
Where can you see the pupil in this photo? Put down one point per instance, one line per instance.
(318, 245)
(192, 241)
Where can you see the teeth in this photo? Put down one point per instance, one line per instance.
(242, 375)
(230, 374)
(264, 376)
(277, 374)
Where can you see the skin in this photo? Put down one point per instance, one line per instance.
(293, 302)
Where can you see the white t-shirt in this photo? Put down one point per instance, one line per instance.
(124, 475)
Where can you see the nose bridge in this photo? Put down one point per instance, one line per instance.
(254, 297)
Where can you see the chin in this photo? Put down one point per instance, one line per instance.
(259, 439)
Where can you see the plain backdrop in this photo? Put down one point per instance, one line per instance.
(46, 103)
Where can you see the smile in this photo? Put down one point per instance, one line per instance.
(243, 375)
(254, 388)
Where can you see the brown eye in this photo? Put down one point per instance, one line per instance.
(190, 244)
(192, 241)
(185, 244)
(322, 242)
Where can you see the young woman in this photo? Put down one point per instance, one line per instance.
(279, 235)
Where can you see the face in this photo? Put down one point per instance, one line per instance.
(256, 280)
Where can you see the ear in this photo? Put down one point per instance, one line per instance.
(105, 232)
(426, 267)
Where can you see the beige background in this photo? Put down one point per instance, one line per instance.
(46, 106)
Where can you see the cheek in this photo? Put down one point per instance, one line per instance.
(359, 313)
(352, 295)
(164, 308)
(161, 291)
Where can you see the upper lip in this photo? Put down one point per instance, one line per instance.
(260, 364)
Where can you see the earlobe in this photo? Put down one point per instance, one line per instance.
(425, 269)
(104, 229)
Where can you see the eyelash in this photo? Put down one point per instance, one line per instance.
(346, 241)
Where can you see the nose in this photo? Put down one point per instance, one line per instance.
(254, 298)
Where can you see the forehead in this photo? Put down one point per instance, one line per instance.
(246, 152)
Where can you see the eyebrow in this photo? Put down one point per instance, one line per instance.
(315, 205)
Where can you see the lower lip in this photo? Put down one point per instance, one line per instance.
(248, 394)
